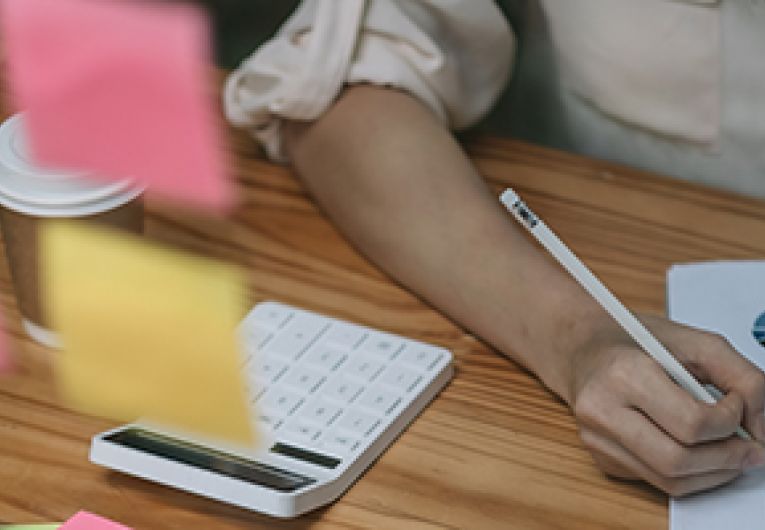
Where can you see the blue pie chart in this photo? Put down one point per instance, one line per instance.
(759, 329)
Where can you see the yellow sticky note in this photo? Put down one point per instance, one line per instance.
(146, 331)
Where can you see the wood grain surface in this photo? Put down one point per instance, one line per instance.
(494, 450)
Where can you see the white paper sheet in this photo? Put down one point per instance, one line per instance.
(728, 298)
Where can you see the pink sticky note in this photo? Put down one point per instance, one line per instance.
(121, 89)
(88, 521)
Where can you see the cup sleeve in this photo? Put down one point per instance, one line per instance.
(455, 56)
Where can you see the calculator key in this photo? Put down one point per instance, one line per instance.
(252, 339)
(338, 444)
(325, 357)
(382, 345)
(300, 430)
(421, 356)
(268, 369)
(358, 423)
(292, 341)
(280, 401)
(255, 389)
(268, 422)
(271, 315)
(304, 379)
(342, 389)
(379, 400)
(256, 336)
(345, 335)
(400, 378)
(320, 412)
(364, 368)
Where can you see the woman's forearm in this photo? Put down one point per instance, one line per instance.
(402, 190)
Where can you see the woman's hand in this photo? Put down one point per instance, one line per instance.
(427, 218)
(639, 424)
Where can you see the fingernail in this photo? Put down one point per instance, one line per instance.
(755, 459)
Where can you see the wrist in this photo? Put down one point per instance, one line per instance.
(561, 321)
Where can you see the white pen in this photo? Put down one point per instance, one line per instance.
(607, 300)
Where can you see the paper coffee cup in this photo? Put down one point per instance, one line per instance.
(28, 195)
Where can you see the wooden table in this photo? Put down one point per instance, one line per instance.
(494, 450)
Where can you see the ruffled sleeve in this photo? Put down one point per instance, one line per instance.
(453, 55)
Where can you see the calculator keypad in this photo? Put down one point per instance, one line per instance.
(345, 335)
(364, 368)
(339, 444)
(421, 357)
(320, 412)
(302, 429)
(401, 378)
(280, 401)
(382, 346)
(325, 384)
(303, 378)
(272, 316)
(296, 336)
(379, 400)
(256, 337)
(268, 369)
(358, 423)
(325, 357)
(343, 389)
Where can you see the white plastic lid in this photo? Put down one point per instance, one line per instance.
(43, 192)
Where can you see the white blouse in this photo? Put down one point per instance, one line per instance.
(672, 86)
(454, 55)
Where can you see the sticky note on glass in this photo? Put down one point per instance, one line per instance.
(89, 521)
(146, 331)
(120, 89)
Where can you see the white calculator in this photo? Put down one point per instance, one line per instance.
(329, 397)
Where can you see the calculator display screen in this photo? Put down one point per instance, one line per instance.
(311, 457)
(212, 460)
